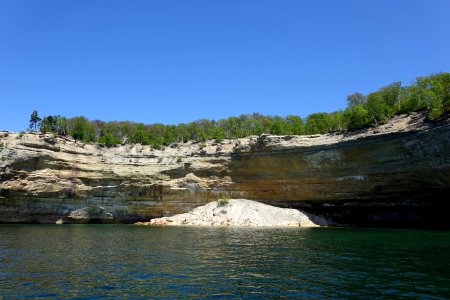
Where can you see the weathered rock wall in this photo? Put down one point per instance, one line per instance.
(47, 181)
(399, 179)
(397, 174)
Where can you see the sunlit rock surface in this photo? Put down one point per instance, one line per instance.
(397, 174)
(240, 212)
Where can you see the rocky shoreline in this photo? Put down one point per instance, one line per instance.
(396, 174)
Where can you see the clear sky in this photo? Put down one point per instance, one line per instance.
(173, 61)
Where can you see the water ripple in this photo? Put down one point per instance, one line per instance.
(113, 262)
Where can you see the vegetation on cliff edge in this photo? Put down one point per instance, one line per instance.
(431, 93)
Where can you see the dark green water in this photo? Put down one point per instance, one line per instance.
(133, 262)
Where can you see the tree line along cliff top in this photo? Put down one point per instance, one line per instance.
(430, 93)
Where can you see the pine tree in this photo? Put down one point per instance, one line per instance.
(34, 120)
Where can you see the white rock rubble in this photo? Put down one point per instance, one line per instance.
(240, 212)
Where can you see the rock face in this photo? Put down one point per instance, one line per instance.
(397, 174)
(240, 212)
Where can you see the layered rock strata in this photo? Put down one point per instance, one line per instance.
(397, 174)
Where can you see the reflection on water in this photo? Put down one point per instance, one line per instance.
(88, 261)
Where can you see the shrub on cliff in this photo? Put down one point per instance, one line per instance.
(223, 202)
(109, 139)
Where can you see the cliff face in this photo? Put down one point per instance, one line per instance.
(397, 174)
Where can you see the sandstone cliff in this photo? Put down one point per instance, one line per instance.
(394, 174)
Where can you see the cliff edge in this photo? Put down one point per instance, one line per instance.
(396, 174)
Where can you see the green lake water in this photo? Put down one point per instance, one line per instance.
(140, 262)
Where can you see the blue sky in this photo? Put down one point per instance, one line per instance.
(175, 61)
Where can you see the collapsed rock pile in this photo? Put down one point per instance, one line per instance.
(240, 212)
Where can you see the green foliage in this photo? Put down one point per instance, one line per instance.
(356, 99)
(109, 139)
(337, 121)
(21, 133)
(139, 135)
(34, 120)
(317, 123)
(435, 109)
(294, 125)
(436, 94)
(390, 94)
(356, 116)
(54, 124)
(179, 159)
(2, 145)
(379, 111)
(82, 129)
(160, 159)
(431, 93)
(223, 201)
